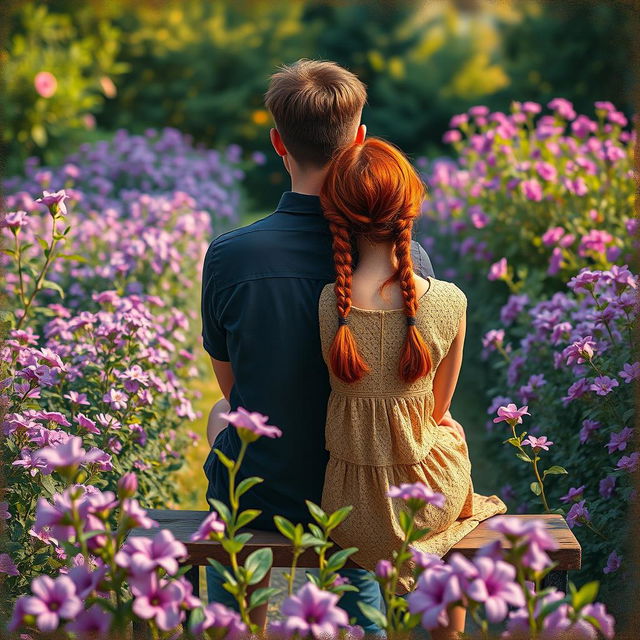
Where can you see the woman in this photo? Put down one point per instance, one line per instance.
(393, 342)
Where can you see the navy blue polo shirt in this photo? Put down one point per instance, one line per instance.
(260, 290)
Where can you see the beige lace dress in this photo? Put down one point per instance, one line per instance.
(380, 433)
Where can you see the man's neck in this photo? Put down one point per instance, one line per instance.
(308, 182)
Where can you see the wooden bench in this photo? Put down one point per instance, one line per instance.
(184, 523)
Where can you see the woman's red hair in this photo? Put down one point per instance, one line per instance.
(371, 190)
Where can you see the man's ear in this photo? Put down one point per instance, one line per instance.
(361, 134)
(277, 143)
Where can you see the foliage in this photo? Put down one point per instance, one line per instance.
(58, 71)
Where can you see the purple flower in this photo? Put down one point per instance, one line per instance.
(537, 443)
(55, 201)
(158, 600)
(606, 621)
(86, 581)
(563, 108)
(66, 454)
(494, 585)
(513, 308)
(547, 172)
(419, 492)
(30, 460)
(384, 569)
(578, 515)
(7, 565)
(211, 528)
(619, 440)
(580, 351)
(52, 601)
(530, 532)
(116, 399)
(493, 339)
(555, 262)
(498, 270)
(434, 592)
(251, 426)
(607, 486)
(93, 622)
(603, 385)
(136, 515)
(614, 562)
(629, 463)
(58, 514)
(630, 372)
(425, 560)
(451, 136)
(15, 220)
(574, 494)
(86, 423)
(511, 414)
(77, 398)
(576, 390)
(311, 612)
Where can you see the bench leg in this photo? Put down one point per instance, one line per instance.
(193, 576)
(557, 579)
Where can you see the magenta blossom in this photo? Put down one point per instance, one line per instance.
(45, 84)
(311, 612)
(630, 372)
(67, 454)
(7, 565)
(578, 515)
(251, 425)
(434, 592)
(417, 491)
(52, 601)
(532, 533)
(588, 427)
(580, 351)
(217, 616)
(93, 622)
(158, 600)
(15, 220)
(629, 463)
(384, 569)
(531, 189)
(211, 528)
(603, 385)
(619, 440)
(498, 270)
(537, 443)
(136, 515)
(142, 555)
(55, 201)
(512, 414)
(614, 562)
(573, 495)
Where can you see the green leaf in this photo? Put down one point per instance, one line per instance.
(554, 470)
(246, 517)
(318, 514)
(375, 615)
(227, 462)
(243, 538)
(222, 509)
(262, 596)
(514, 441)
(586, 595)
(339, 558)
(42, 242)
(338, 517)
(246, 484)
(316, 531)
(231, 546)
(524, 457)
(285, 527)
(258, 564)
(406, 521)
(535, 487)
(76, 257)
(49, 284)
(551, 607)
(196, 617)
(312, 541)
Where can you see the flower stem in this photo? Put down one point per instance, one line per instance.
(540, 483)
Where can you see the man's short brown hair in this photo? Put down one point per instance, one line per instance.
(314, 105)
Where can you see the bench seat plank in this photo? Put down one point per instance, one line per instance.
(183, 523)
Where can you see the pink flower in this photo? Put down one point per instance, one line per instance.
(116, 399)
(606, 621)
(434, 592)
(15, 220)
(531, 533)
(417, 491)
(531, 189)
(537, 443)
(384, 569)
(143, 555)
(576, 390)
(531, 107)
(311, 612)
(7, 565)
(512, 414)
(136, 515)
(251, 426)
(425, 560)
(127, 485)
(546, 171)
(86, 581)
(158, 600)
(563, 108)
(211, 528)
(494, 585)
(603, 385)
(552, 236)
(93, 622)
(53, 600)
(493, 339)
(217, 616)
(498, 270)
(77, 398)
(451, 136)
(580, 351)
(45, 84)
(30, 460)
(66, 454)
(630, 372)
(55, 201)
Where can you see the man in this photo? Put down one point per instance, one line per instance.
(261, 286)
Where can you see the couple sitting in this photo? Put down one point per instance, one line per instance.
(327, 317)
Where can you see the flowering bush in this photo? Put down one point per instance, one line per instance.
(570, 359)
(110, 580)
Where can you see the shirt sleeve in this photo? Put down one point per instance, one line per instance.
(214, 335)
(421, 262)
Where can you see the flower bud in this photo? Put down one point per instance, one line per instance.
(127, 486)
(384, 569)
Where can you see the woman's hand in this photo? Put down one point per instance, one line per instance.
(449, 421)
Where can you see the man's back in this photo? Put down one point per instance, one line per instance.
(261, 286)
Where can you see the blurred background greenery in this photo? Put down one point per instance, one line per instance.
(203, 67)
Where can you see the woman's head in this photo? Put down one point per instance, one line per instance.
(371, 191)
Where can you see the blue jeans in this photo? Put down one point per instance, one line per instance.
(369, 592)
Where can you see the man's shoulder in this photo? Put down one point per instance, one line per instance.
(230, 239)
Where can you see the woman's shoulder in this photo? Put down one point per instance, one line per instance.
(446, 292)
(327, 298)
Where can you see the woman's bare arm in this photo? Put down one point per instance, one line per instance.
(446, 378)
(224, 376)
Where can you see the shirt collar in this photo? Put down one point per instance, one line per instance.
(292, 202)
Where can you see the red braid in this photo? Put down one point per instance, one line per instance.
(415, 359)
